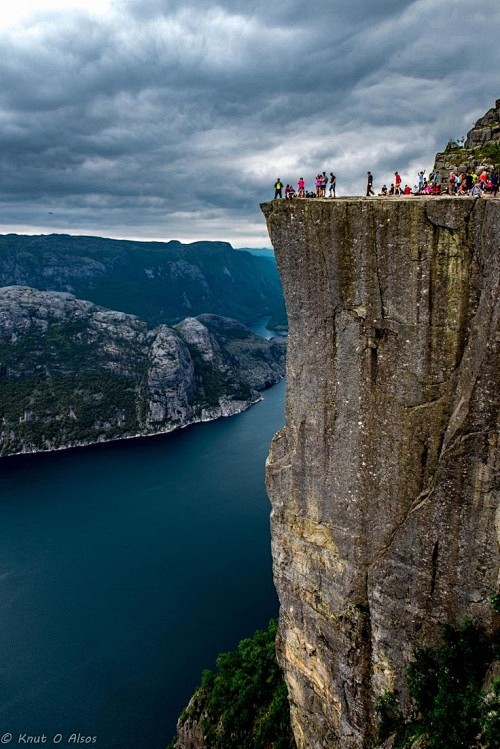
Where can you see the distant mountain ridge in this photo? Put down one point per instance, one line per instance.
(74, 373)
(160, 282)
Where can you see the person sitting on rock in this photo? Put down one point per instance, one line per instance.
(407, 190)
(462, 187)
(383, 191)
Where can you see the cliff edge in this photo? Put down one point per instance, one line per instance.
(384, 482)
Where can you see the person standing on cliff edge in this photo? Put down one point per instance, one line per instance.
(369, 184)
(333, 182)
(278, 187)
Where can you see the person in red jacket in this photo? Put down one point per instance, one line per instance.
(397, 183)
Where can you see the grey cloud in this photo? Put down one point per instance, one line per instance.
(168, 109)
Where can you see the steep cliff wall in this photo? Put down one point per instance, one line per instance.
(384, 482)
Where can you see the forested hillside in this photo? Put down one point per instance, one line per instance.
(159, 282)
(72, 372)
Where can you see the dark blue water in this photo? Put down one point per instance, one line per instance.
(124, 570)
(260, 328)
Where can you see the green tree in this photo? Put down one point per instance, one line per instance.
(244, 704)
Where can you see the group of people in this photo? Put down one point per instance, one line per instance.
(465, 183)
(425, 186)
(322, 183)
(469, 183)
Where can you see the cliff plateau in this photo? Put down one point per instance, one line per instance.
(384, 482)
(73, 373)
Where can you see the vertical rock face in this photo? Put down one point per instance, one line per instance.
(384, 482)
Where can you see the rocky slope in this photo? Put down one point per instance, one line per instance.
(74, 373)
(384, 482)
(480, 149)
(160, 282)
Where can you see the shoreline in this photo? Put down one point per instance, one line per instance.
(241, 408)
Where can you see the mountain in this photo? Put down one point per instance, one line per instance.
(264, 252)
(73, 372)
(160, 282)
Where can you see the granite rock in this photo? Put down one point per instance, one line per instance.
(74, 373)
(384, 481)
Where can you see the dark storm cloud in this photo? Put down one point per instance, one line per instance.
(173, 119)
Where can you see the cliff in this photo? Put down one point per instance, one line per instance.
(384, 481)
(74, 373)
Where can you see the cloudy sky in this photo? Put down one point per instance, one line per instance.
(170, 119)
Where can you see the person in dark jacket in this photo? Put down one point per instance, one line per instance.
(369, 184)
(333, 183)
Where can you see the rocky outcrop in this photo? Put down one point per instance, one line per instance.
(73, 373)
(486, 129)
(384, 481)
(479, 150)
